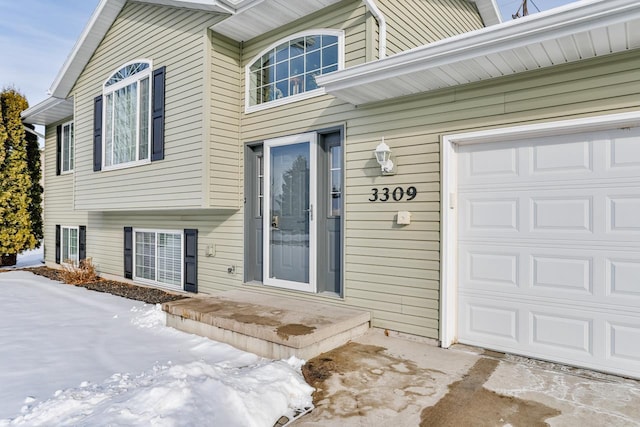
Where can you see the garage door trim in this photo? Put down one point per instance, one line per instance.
(449, 237)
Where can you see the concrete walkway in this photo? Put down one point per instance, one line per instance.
(380, 380)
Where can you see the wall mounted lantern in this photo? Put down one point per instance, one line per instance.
(383, 156)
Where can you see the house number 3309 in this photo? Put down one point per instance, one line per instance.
(398, 193)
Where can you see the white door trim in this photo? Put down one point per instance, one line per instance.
(312, 138)
(448, 214)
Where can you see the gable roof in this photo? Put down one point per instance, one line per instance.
(578, 31)
(239, 19)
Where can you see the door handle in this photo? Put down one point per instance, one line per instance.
(275, 221)
(310, 210)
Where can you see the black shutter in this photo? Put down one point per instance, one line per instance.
(97, 133)
(57, 243)
(128, 252)
(58, 148)
(82, 242)
(157, 110)
(191, 260)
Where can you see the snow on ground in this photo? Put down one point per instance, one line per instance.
(31, 258)
(70, 356)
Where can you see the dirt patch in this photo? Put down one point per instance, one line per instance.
(293, 330)
(358, 379)
(254, 318)
(126, 290)
(469, 403)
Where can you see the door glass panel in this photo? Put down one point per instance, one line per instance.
(335, 177)
(289, 212)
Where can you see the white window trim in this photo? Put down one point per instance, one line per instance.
(449, 185)
(63, 243)
(294, 98)
(156, 283)
(112, 88)
(72, 154)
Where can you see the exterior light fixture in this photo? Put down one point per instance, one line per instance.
(383, 156)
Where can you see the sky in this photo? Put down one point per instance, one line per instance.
(91, 358)
(37, 36)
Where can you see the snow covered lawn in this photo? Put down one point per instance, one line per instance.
(70, 356)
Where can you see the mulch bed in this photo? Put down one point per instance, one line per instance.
(126, 290)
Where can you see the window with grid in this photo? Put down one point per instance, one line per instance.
(158, 257)
(289, 68)
(127, 115)
(67, 153)
(69, 245)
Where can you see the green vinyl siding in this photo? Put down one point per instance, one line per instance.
(224, 122)
(174, 38)
(221, 230)
(413, 23)
(58, 196)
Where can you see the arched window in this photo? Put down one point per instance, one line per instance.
(127, 114)
(287, 70)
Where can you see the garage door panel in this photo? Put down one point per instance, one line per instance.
(562, 214)
(623, 342)
(562, 273)
(494, 161)
(562, 158)
(623, 213)
(547, 161)
(562, 332)
(493, 322)
(609, 277)
(492, 268)
(578, 337)
(492, 214)
(623, 278)
(604, 214)
(623, 151)
(549, 248)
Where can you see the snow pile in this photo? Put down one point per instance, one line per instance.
(149, 318)
(76, 357)
(197, 393)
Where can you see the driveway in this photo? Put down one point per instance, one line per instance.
(381, 380)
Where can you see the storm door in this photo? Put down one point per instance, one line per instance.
(289, 226)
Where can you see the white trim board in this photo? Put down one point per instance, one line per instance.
(448, 235)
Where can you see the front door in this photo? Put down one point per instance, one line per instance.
(289, 243)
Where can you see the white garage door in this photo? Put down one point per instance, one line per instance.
(549, 248)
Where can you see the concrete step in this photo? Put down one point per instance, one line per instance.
(270, 326)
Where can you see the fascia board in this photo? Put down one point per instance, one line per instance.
(93, 33)
(489, 11)
(503, 37)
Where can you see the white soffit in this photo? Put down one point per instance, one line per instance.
(259, 17)
(579, 31)
(49, 111)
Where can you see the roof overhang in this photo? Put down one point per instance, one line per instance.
(239, 19)
(578, 31)
(254, 18)
(49, 111)
(489, 11)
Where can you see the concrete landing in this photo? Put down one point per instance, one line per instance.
(270, 326)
